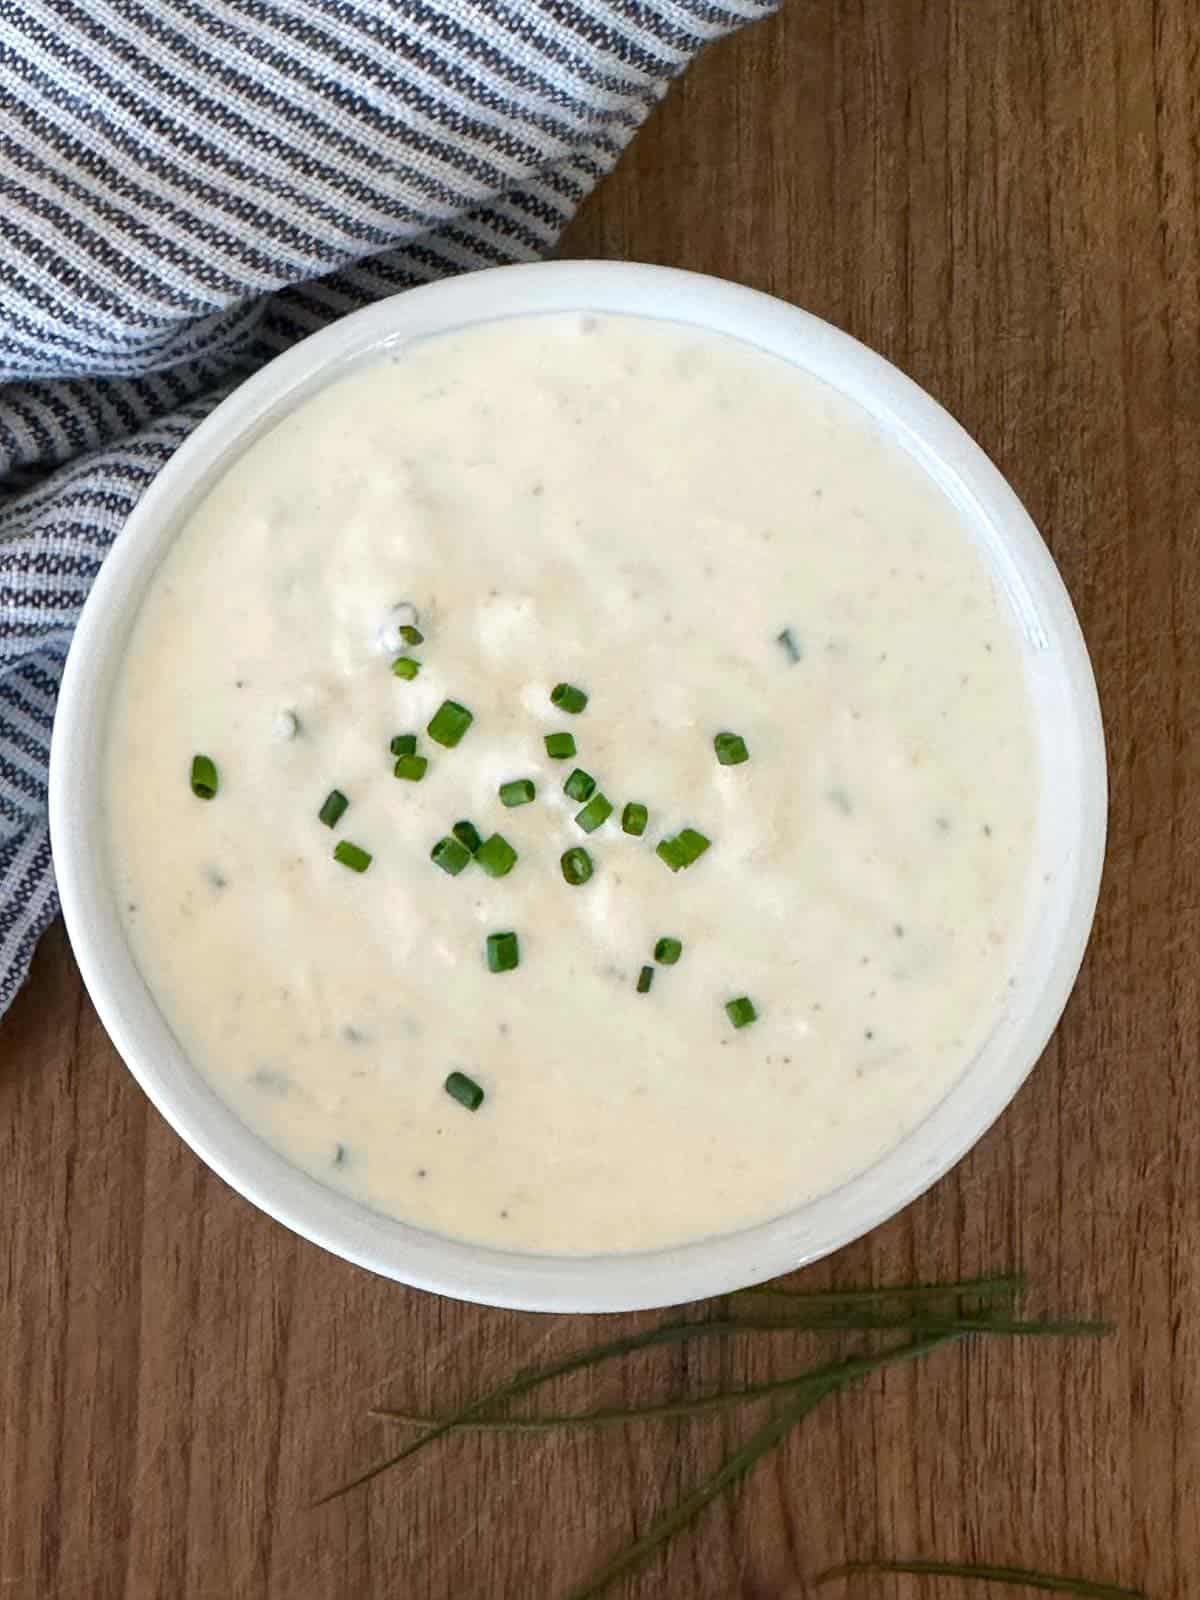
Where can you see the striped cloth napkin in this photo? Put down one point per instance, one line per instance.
(189, 186)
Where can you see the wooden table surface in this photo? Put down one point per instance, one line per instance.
(1004, 198)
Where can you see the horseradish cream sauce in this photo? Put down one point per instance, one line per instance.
(704, 540)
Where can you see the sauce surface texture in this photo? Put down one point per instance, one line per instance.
(704, 540)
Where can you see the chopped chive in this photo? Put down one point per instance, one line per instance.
(496, 856)
(503, 952)
(517, 793)
(669, 851)
(741, 1011)
(791, 649)
(411, 767)
(580, 785)
(597, 811)
(645, 979)
(465, 1090)
(731, 749)
(411, 635)
(334, 809)
(576, 865)
(406, 667)
(467, 833)
(404, 744)
(668, 951)
(560, 745)
(568, 698)
(682, 849)
(634, 818)
(351, 856)
(451, 855)
(691, 844)
(448, 723)
(205, 782)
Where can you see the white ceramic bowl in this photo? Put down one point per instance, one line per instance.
(1069, 846)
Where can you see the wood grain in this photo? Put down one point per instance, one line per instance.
(1003, 197)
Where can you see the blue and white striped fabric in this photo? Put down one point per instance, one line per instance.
(187, 187)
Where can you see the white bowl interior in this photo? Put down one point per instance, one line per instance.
(1068, 848)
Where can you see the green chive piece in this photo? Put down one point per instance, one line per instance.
(731, 749)
(406, 667)
(668, 951)
(448, 723)
(503, 952)
(669, 851)
(634, 818)
(351, 856)
(568, 698)
(205, 782)
(411, 635)
(411, 767)
(741, 1012)
(683, 849)
(560, 745)
(467, 833)
(691, 844)
(791, 648)
(451, 855)
(576, 866)
(496, 856)
(598, 810)
(645, 979)
(580, 785)
(404, 744)
(465, 1090)
(332, 812)
(517, 793)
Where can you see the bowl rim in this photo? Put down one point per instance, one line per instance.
(580, 1283)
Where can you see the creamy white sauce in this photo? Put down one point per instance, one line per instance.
(639, 509)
